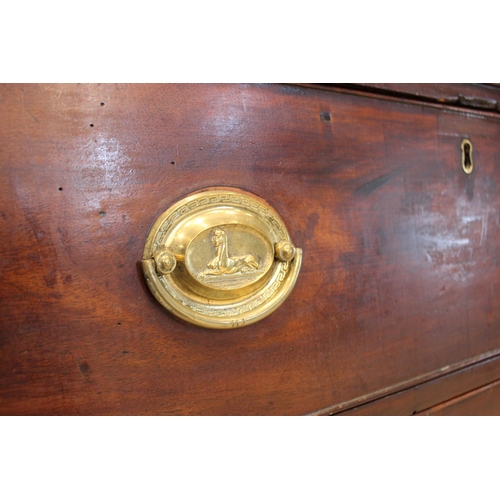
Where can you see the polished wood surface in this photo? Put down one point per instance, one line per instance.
(468, 95)
(484, 401)
(421, 397)
(400, 273)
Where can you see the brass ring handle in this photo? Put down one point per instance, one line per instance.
(220, 258)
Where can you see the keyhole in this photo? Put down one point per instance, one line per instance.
(467, 164)
(467, 161)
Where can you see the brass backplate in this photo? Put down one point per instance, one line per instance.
(220, 258)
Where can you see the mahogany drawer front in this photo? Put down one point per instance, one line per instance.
(484, 401)
(424, 397)
(400, 275)
(465, 95)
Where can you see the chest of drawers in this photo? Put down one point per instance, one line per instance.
(396, 306)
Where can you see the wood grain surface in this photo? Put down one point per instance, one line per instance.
(401, 248)
(467, 95)
(424, 396)
(484, 401)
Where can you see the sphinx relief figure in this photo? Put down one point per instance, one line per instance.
(223, 263)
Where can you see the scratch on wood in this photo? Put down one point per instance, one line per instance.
(371, 186)
(32, 116)
(484, 228)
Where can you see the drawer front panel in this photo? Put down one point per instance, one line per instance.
(400, 274)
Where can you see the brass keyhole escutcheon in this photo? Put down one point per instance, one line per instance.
(467, 164)
(220, 258)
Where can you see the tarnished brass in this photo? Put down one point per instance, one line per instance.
(220, 258)
(467, 164)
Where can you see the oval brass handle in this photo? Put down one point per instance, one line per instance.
(220, 258)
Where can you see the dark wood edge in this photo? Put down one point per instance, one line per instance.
(454, 401)
(397, 388)
(469, 95)
(372, 93)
